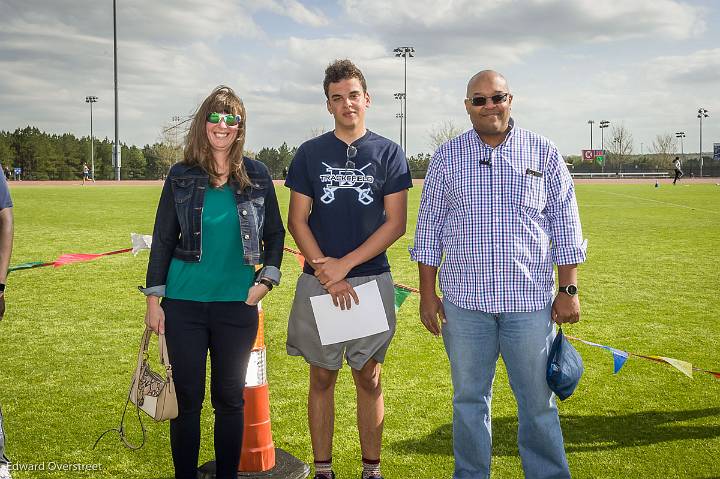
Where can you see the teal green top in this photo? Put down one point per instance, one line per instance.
(221, 274)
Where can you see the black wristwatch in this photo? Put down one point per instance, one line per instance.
(267, 283)
(570, 290)
(2, 287)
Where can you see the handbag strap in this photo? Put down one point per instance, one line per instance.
(165, 361)
(135, 387)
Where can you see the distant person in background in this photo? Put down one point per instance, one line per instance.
(86, 174)
(7, 172)
(6, 240)
(678, 169)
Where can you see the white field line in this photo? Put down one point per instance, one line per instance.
(662, 202)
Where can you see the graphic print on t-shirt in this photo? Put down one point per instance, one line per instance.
(346, 178)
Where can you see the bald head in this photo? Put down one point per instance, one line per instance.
(486, 75)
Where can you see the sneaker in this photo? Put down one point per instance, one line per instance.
(5, 472)
(316, 476)
(372, 477)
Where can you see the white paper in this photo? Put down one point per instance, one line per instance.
(361, 320)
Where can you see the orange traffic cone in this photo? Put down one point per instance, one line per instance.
(258, 450)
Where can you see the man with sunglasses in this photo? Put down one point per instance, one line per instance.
(347, 206)
(499, 203)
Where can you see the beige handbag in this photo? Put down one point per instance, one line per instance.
(149, 391)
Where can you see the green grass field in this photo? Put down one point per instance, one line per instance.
(68, 344)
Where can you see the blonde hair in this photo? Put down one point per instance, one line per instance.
(197, 149)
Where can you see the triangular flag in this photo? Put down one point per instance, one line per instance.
(78, 257)
(140, 242)
(682, 366)
(400, 296)
(300, 259)
(619, 358)
(34, 264)
(74, 258)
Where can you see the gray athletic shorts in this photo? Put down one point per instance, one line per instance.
(303, 338)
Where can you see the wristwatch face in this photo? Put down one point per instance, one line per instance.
(571, 289)
(2, 287)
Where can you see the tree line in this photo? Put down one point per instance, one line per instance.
(44, 156)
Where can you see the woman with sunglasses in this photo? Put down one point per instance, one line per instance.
(217, 219)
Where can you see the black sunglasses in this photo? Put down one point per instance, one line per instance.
(482, 101)
(350, 153)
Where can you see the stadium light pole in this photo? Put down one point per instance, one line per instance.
(116, 153)
(603, 124)
(702, 113)
(177, 120)
(405, 52)
(400, 96)
(92, 99)
(681, 135)
(400, 115)
(591, 122)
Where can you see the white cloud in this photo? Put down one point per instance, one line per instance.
(294, 10)
(467, 25)
(701, 67)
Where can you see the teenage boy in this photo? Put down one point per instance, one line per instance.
(347, 206)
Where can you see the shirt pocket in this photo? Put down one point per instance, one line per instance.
(182, 189)
(529, 190)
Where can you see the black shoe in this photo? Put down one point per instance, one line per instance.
(323, 476)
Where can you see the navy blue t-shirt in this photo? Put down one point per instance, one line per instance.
(348, 203)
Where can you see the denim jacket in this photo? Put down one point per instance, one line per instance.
(178, 223)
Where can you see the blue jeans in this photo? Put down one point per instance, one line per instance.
(473, 341)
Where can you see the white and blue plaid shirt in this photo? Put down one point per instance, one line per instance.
(502, 217)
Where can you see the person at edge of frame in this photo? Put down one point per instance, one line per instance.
(6, 242)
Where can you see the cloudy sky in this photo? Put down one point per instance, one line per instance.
(646, 64)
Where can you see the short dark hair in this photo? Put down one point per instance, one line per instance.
(342, 70)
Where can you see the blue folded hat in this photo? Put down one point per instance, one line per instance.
(564, 367)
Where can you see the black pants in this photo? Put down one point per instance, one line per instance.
(228, 330)
(678, 175)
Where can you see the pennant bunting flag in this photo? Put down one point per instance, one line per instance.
(682, 366)
(140, 242)
(408, 288)
(402, 292)
(300, 259)
(400, 296)
(79, 257)
(298, 256)
(619, 358)
(34, 264)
